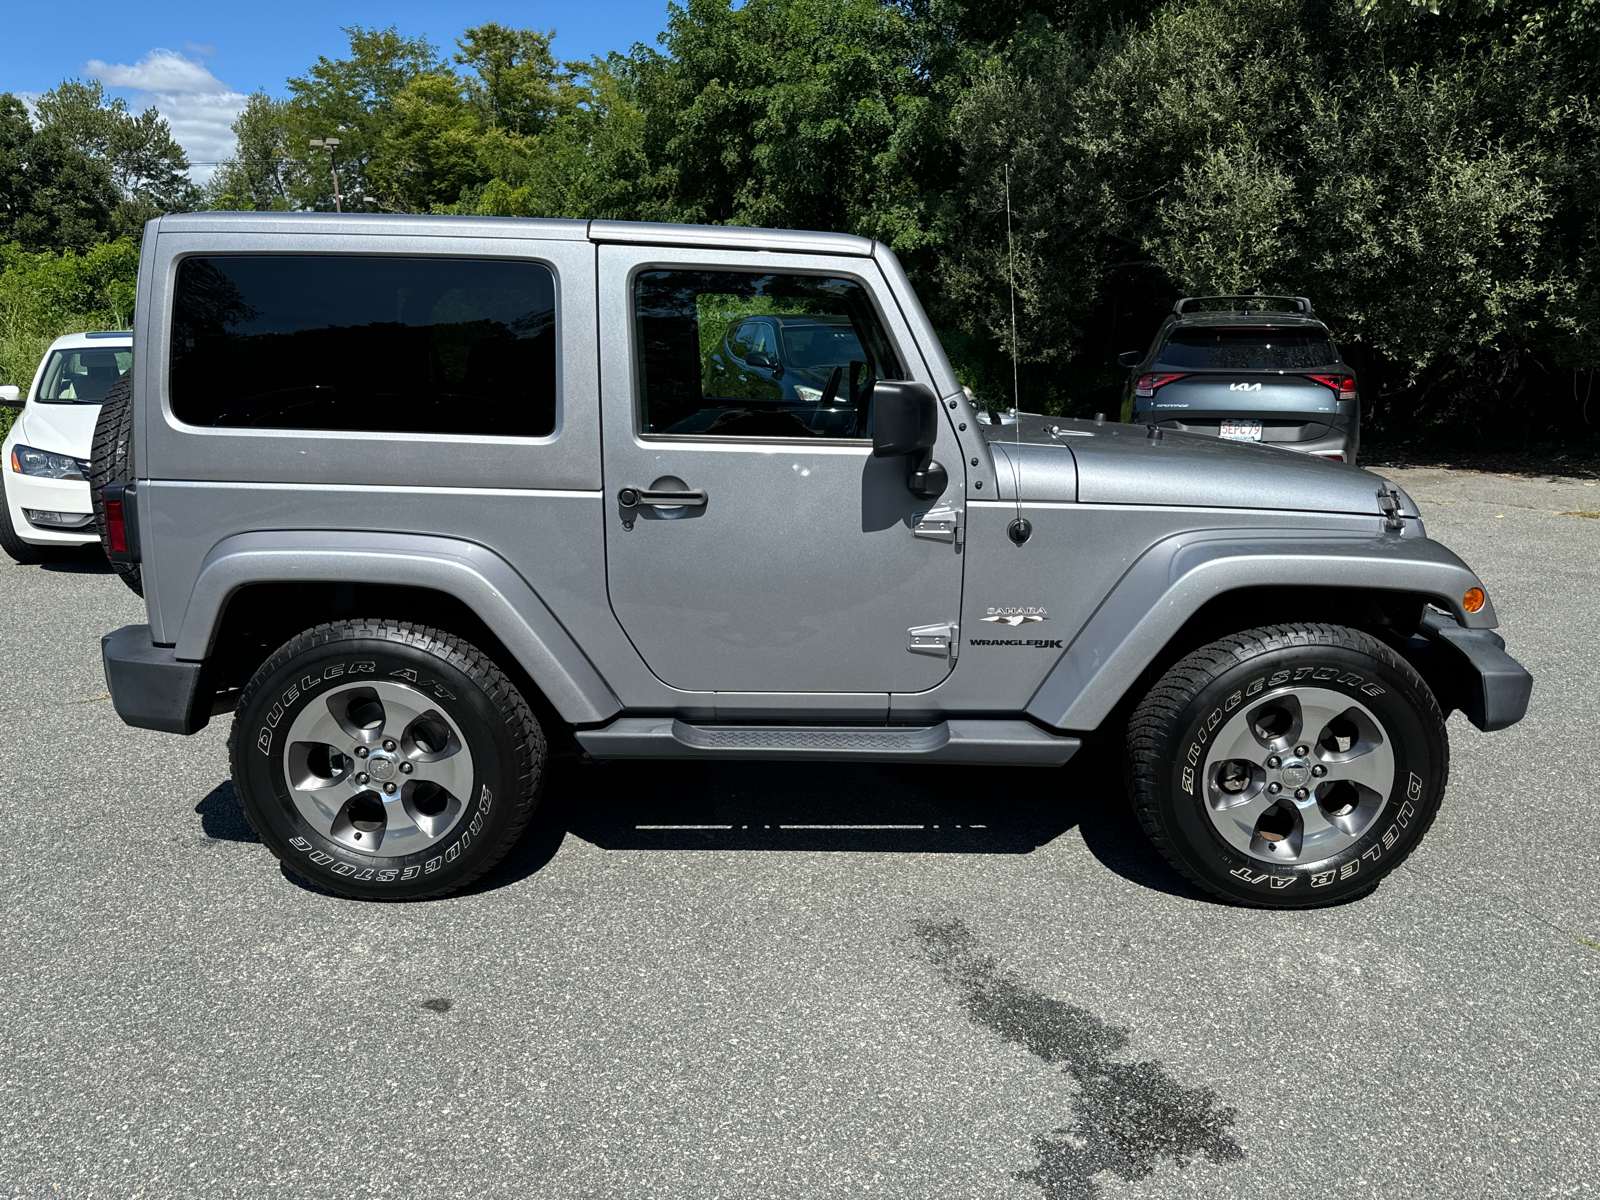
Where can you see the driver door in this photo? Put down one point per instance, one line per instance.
(753, 543)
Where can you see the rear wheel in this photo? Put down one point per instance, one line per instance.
(384, 760)
(1288, 766)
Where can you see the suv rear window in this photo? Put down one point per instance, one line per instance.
(389, 345)
(1247, 349)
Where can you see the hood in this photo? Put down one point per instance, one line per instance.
(59, 428)
(1049, 459)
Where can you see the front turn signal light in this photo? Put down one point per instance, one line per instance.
(1473, 600)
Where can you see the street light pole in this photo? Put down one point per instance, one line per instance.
(332, 144)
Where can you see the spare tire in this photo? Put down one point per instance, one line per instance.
(110, 460)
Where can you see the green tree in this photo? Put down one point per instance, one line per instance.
(52, 194)
(352, 99)
(148, 167)
(253, 177)
(517, 83)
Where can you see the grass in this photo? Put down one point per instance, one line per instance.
(1582, 512)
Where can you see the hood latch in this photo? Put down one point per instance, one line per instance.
(1389, 506)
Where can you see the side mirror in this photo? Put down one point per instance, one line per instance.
(905, 422)
(760, 358)
(905, 418)
(1128, 358)
(11, 396)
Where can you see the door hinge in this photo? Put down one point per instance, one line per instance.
(942, 524)
(936, 641)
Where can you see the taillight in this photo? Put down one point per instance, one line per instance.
(1146, 385)
(1345, 385)
(116, 531)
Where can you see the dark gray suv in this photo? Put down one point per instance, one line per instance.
(1248, 374)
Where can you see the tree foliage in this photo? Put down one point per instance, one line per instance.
(1428, 171)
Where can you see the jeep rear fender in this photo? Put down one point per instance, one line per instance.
(478, 577)
(1176, 576)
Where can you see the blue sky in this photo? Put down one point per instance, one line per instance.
(196, 62)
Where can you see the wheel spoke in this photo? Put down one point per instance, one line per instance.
(320, 806)
(323, 728)
(1238, 820)
(1236, 739)
(453, 773)
(1373, 768)
(1316, 714)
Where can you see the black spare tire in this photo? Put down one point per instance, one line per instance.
(110, 460)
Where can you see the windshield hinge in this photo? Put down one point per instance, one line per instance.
(942, 524)
(936, 641)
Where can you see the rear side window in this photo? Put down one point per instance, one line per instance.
(383, 345)
(1246, 349)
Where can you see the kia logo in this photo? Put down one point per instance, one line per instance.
(1244, 387)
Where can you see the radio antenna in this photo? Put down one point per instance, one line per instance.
(1011, 273)
(1020, 529)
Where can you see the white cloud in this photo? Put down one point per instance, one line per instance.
(200, 108)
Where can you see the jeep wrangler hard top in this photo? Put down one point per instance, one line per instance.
(416, 497)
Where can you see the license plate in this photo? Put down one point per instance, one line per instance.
(1242, 431)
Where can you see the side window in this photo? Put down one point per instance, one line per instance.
(739, 341)
(384, 345)
(822, 334)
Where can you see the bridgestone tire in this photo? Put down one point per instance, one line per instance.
(1230, 696)
(322, 675)
(111, 459)
(23, 552)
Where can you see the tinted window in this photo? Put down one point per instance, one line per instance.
(1259, 349)
(393, 345)
(82, 376)
(694, 380)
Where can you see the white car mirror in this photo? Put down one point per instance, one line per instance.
(10, 394)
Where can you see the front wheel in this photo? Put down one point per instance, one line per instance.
(1288, 766)
(384, 760)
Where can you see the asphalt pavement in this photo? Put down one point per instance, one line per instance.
(781, 980)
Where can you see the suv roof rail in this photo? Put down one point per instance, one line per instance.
(1301, 303)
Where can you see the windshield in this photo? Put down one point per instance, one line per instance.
(1248, 349)
(810, 346)
(83, 376)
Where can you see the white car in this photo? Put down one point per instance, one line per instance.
(45, 495)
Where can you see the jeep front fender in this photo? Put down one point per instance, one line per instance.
(1176, 576)
(478, 577)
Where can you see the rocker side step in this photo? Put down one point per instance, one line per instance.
(1001, 743)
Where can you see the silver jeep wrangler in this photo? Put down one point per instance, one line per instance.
(419, 498)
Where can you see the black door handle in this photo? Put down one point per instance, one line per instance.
(633, 497)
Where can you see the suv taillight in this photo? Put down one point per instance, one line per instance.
(116, 530)
(1146, 385)
(1345, 385)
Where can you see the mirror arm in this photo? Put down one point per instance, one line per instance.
(927, 479)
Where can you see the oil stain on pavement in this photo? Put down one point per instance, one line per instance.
(1127, 1116)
